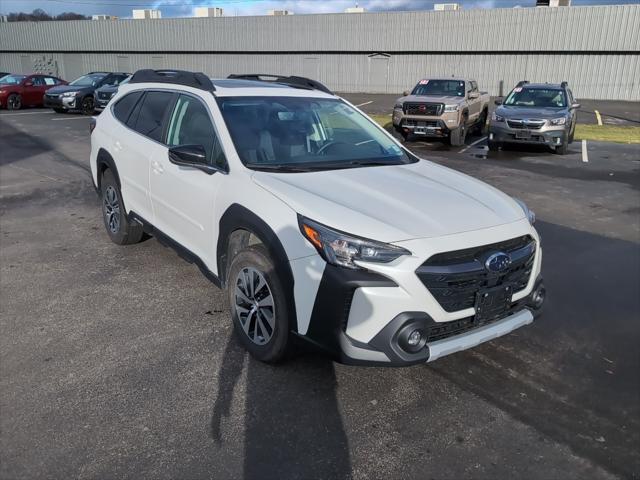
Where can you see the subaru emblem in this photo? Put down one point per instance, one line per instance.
(497, 262)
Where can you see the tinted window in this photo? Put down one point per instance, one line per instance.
(152, 111)
(190, 125)
(13, 79)
(38, 81)
(124, 106)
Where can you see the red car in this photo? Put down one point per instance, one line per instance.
(17, 91)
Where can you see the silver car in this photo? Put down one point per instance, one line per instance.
(535, 113)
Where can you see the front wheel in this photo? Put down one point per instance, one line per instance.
(258, 305)
(458, 136)
(121, 231)
(14, 102)
(493, 146)
(87, 106)
(563, 148)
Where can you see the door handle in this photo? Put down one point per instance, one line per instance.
(157, 167)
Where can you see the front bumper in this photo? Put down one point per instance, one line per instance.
(364, 317)
(551, 136)
(425, 125)
(66, 103)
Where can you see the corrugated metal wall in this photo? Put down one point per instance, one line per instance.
(594, 48)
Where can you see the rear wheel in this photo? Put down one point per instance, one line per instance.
(482, 122)
(120, 230)
(87, 106)
(258, 305)
(14, 102)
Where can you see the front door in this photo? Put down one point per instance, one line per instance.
(183, 197)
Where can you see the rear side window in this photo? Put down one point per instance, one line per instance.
(150, 118)
(191, 125)
(38, 81)
(122, 109)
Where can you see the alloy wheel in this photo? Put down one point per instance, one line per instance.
(14, 102)
(254, 305)
(112, 209)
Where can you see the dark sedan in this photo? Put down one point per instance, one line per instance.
(78, 95)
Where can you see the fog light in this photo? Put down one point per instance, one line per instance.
(538, 297)
(414, 338)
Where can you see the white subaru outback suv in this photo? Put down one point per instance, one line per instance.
(317, 222)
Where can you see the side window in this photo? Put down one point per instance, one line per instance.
(474, 86)
(108, 80)
(50, 81)
(118, 79)
(150, 118)
(38, 81)
(122, 109)
(190, 124)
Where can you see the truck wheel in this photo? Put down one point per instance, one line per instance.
(458, 135)
(482, 122)
(493, 146)
(119, 229)
(14, 102)
(258, 305)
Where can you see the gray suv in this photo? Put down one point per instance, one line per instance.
(535, 113)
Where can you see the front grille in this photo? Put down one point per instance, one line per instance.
(420, 123)
(454, 278)
(526, 124)
(433, 109)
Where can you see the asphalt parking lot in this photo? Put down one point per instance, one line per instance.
(118, 362)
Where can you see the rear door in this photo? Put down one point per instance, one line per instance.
(182, 197)
(137, 138)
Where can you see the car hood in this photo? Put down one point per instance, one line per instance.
(67, 88)
(526, 112)
(393, 203)
(451, 100)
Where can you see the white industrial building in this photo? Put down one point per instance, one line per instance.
(146, 13)
(208, 12)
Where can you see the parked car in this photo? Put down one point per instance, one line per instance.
(17, 91)
(103, 94)
(4, 74)
(78, 95)
(441, 108)
(535, 113)
(319, 224)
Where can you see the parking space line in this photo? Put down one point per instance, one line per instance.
(70, 118)
(598, 117)
(585, 156)
(25, 113)
(472, 144)
(363, 104)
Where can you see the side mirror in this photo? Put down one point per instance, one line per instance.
(28, 84)
(192, 156)
(474, 95)
(406, 93)
(498, 101)
(575, 106)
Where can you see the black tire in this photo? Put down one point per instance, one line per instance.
(563, 148)
(87, 106)
(251, 333)
(482, 122)
(573, 131)
(404, 135)
(119, 229)
(493, 146)
(458, 136)
(14, 102)
(59, 110)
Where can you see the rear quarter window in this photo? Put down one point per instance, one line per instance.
(122, 109)
(150, 118)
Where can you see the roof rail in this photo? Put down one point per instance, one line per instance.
(176, 77)
(522, 82)
(291, 81)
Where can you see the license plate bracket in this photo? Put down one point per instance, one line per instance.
(523, 134)
(492, 302)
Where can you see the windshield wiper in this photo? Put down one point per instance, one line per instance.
(372, 162)
(278, 167)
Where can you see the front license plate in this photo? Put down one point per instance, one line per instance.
(523, 134)
(492, 302)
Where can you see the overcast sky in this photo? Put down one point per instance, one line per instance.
(182, 8)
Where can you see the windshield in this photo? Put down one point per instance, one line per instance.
(12, 79)
(536, 97)
(302, 134)
(91, 80)
(447, 88)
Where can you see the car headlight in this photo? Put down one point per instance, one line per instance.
(341, 249)
(496, 118)
(451, 108)
(558, 121)
(530, 214)
(2, 91)
(69, 94)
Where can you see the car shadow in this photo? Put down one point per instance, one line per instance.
(292, 423)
